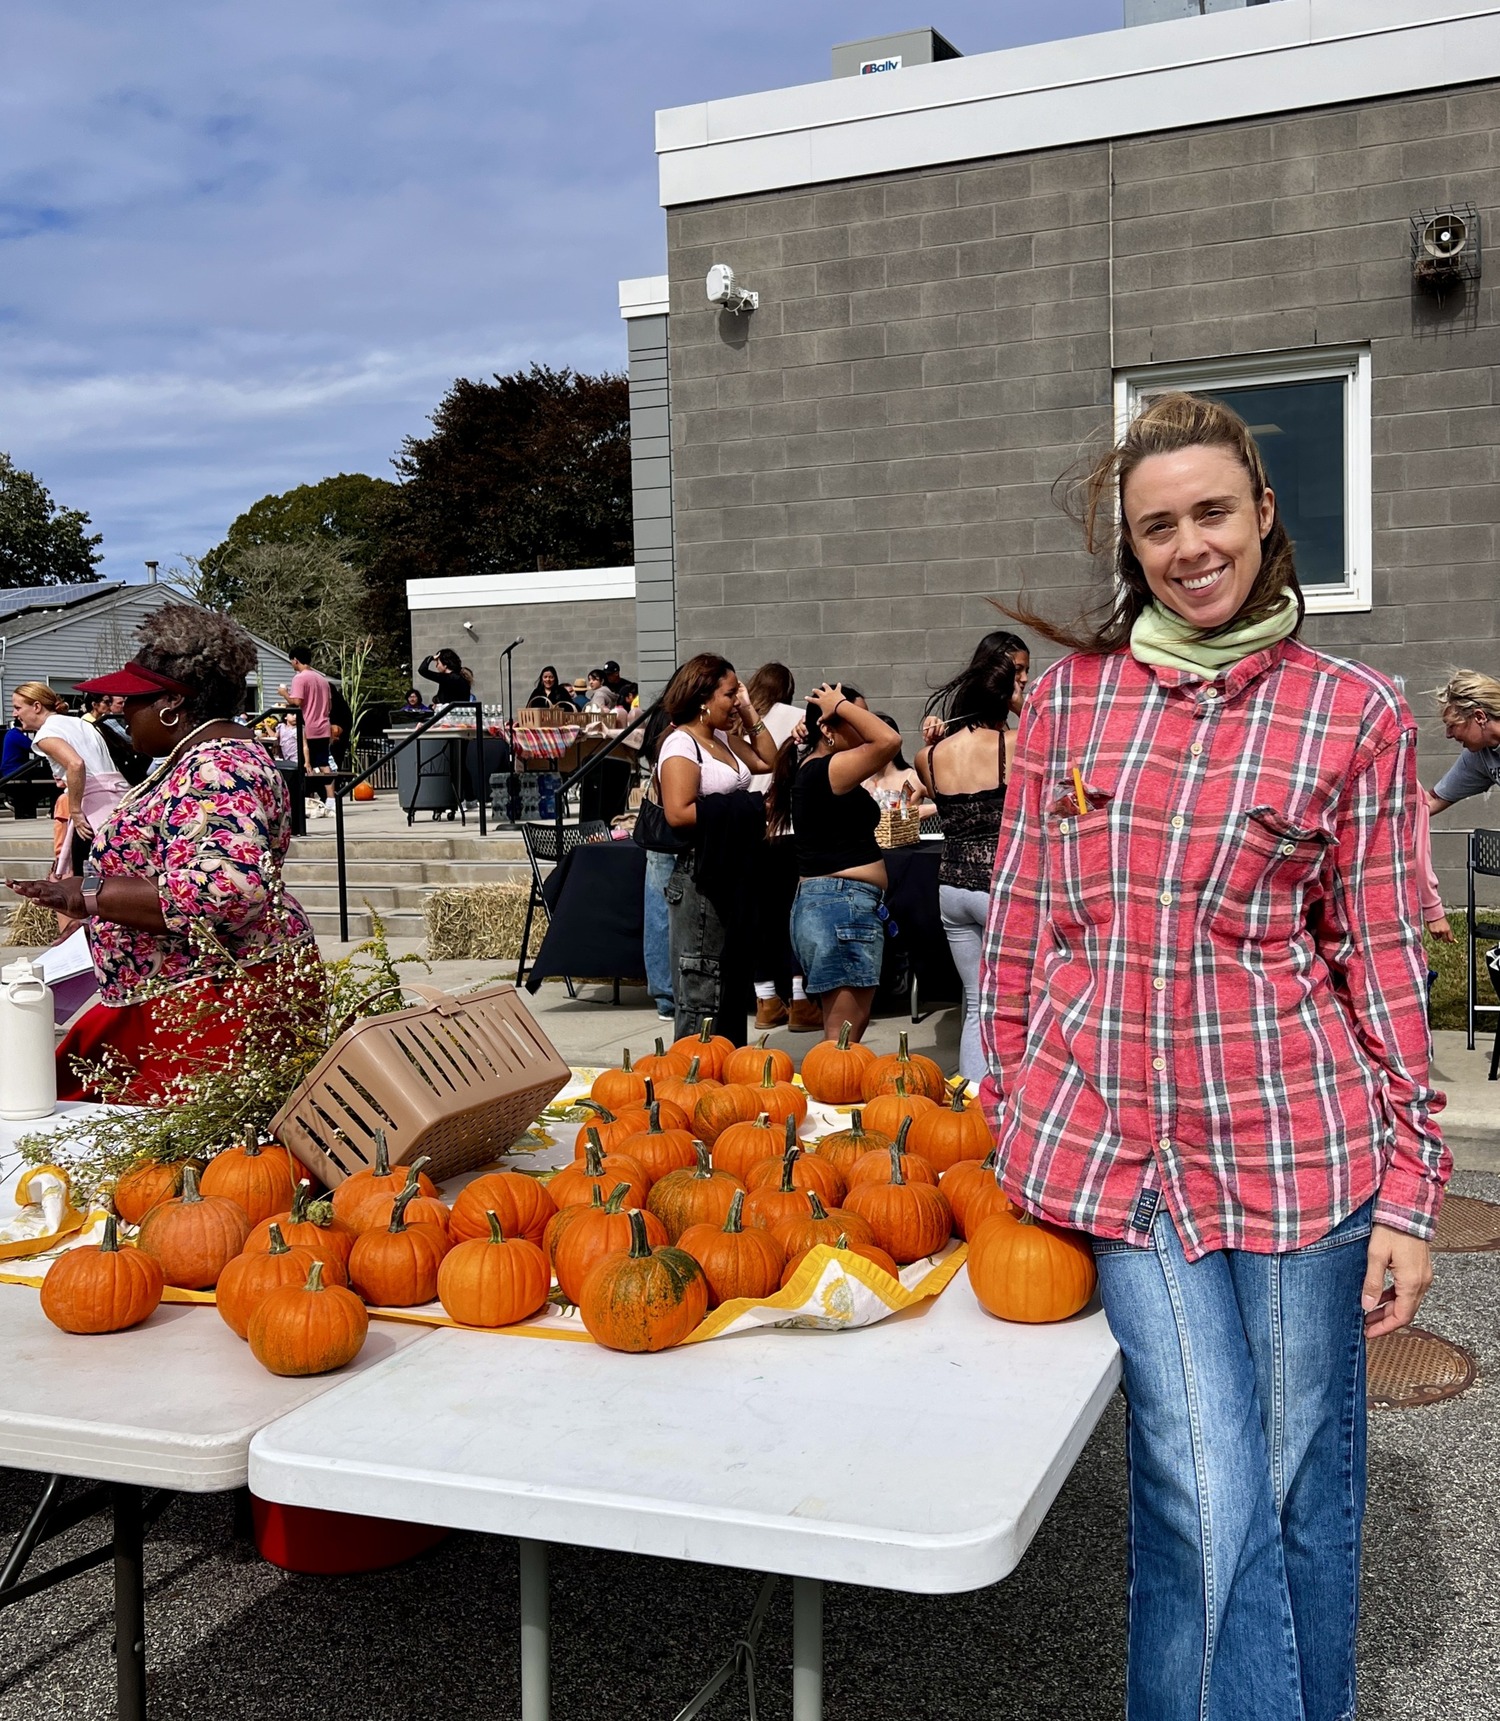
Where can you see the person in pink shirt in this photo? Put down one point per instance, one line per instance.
(311, 691)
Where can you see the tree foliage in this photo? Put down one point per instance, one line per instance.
(306, 590)
(41, 544)
(529, 470)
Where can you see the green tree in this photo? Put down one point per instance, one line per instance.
(305, 591)
(40, 543)
(530, 470)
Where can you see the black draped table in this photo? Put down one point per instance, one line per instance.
(594, 898)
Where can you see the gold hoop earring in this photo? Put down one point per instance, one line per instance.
(161, 718)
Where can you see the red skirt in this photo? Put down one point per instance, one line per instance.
(148, 1036)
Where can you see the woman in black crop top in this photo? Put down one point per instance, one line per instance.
(837, 932)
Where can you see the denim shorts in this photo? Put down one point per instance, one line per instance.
(838, 939)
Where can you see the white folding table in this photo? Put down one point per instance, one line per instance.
(779, 1451)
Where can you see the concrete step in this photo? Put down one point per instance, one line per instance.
(305, 872)
(320, 845)
(399, 923)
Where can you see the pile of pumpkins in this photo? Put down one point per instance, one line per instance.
(690, 1187)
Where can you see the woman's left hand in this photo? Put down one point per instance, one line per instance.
(1408, 1261)
(65, 895)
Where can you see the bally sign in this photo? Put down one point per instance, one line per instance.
(891, 63)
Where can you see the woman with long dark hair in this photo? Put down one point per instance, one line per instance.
(965, 771)
(549, 690)
(838, 930)
(1203, 1005)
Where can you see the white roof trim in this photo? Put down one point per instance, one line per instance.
(1193, 71)
(646, 296)
(552, 586)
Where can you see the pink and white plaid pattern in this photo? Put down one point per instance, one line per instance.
(550, 743)
(1210, 987)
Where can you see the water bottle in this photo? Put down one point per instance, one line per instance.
(28, 1063)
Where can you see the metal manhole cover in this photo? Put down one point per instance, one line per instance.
(1466, 1225)
(1416, 1367)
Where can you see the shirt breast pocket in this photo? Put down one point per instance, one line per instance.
(1080, 870)
(1269, 877)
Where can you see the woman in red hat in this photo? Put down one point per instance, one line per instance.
(182, 886)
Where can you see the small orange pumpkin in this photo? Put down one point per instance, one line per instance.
(736, 1262)
(709, 1048)
(644, 1299)
(308, 1225)
(675, 1114)
(523, 1204)
(397, 1268)
(493, 1281)
(663, 1062)
(697, 1197)
(1027, 1270)
(974, 1194)
(832, 1070)
(808, 1170)
(597, 1170)
(772, 1202)
(685, 1091)
(845, 1146)
(921, 1075)
(658, 1151)
(952, 1133)
(884, 1113)
(248, 1278)
(193, 1237)
(585, 1235)
(879, 1165)
(376, 1179)
(799, 1235)
(258, 1177)
(619, 1087)
(100, 1287)
(748, 1063)
(871, 1252)
(744, 1145)
(145, 1186)
(362, 792)
(308, 1329)
(909, 1220)
(374, 1212)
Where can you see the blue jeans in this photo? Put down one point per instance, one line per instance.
(1245, 1392)
(658, 953)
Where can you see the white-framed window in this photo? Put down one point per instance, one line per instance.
(1310, 413)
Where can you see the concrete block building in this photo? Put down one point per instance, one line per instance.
(970, 270)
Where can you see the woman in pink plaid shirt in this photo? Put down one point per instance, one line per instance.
(1203, 1007)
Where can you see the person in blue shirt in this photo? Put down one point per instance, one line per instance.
(1471, 716)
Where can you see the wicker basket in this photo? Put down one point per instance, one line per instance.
(458, 1079)
(898, 830)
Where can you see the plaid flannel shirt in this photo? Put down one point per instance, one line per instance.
(1209, 988)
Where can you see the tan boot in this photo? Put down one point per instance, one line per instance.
(805, 1017)
(769, 1012)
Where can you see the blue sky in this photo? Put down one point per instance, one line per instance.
(244, 247)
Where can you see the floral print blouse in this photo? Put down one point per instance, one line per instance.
(212, 833)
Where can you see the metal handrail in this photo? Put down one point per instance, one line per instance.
(589, 764)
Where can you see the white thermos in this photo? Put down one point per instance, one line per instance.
(28, 1063)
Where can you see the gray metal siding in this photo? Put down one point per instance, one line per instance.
(651, 490)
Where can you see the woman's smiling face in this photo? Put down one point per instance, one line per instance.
(1196, 530)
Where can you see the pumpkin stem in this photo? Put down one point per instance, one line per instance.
(763, 1120)
(767, 1080)
(616, 1197)
(992, 1159)
(819, 1211)
(109, 1243)
(736, 1208)
(496, 1234)
(842, 1240)
(902, 1131)
(705, 1165)
(956, 1100)
(278, 1242)
(706, 1033)
(898, 1175)
(593, 1153)
(300, 1197)
(788, 1161)
(640, 1244)
(856, 1122)
(901, 1086)
(760, 1044)
(692, 1075)
(650, 1093)
(653, 1111)
(403, 1201)
(382, 1156)
(314, 1277)
(190, 1184)
(625, 1059)
(844, 1033)
(661, 1050)
(251, 1148)
(414, 1172)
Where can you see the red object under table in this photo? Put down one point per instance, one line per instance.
(331, 1544)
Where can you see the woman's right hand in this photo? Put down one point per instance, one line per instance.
(933, 728)
(826, 697)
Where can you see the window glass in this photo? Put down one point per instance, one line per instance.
(1300, 429)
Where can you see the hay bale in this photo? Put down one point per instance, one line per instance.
(31, 925)
(475, 922)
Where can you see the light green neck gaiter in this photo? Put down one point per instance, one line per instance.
(1164, 640)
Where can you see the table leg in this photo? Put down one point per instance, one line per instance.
(130, 1602)
(536, 1634)
(807, 1649)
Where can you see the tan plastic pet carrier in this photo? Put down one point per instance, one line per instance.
(458, 1079)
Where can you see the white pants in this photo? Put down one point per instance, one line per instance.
(964, 913)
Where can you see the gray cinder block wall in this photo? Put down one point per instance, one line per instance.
(575, 637)
(651, 499)
(868, 458)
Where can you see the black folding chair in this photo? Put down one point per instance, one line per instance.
(547, 843)
(1484, 925)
